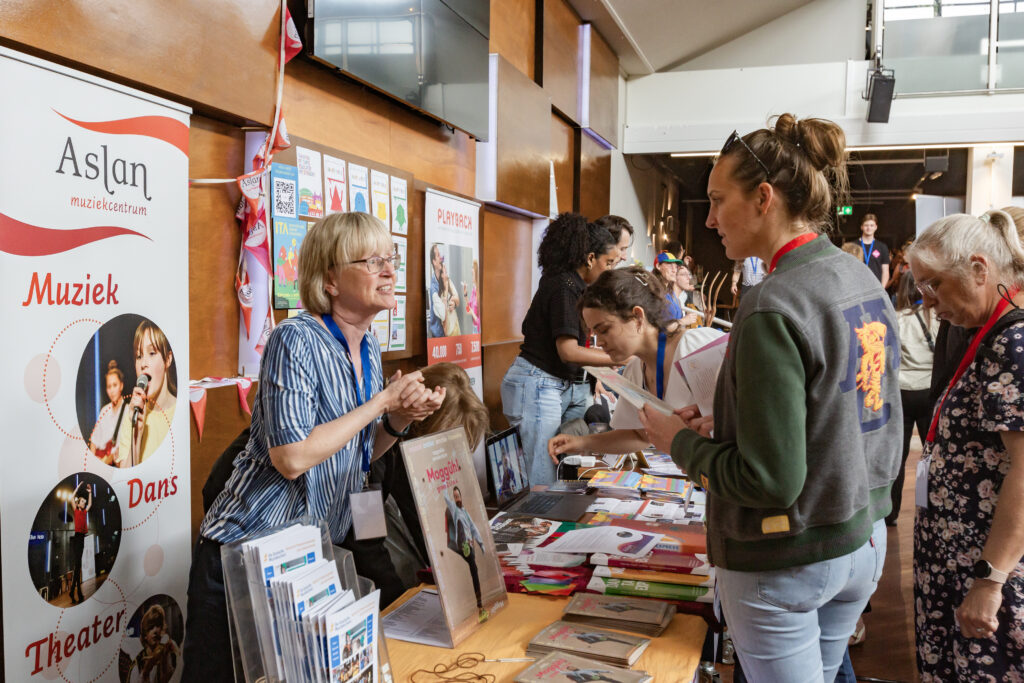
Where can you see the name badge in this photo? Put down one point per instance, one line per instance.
(921, 482)
(368, 514)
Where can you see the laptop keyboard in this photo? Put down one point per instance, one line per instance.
(538, 503)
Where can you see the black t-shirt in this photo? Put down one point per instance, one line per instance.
(553, 313)
(877, 255)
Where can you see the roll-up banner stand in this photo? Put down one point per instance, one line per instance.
(94, 495)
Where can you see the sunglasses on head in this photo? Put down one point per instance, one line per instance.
(733, 139)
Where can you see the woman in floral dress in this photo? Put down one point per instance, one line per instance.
(969, 540)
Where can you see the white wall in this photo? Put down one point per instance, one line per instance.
(821, 31)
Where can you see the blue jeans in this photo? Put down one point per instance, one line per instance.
(539, 403)
(793, 624)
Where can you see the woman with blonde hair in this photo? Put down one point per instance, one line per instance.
(969, 540)
(151, 408)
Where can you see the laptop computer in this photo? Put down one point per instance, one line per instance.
(509, 483)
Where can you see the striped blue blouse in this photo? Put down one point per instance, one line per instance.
(305, 380)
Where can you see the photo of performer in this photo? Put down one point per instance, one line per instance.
(103, 440)
(152, 400)
(471, 297)
(82, 505)
(452, 327)
(461, 532)
(160, 654)
(581, 675)
(74, 539)
(437, 307)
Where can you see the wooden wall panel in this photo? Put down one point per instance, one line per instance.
(604, 89)
(561, 58)
(221, 54)
(507, 256)
(563, 153)
(523, 141)
(496, 360)
(214, 238)
(595, 177)
(513, 29)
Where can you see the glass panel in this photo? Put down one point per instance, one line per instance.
(1010, 49)
(940, 52)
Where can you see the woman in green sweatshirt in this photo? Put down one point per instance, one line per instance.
(804, 443)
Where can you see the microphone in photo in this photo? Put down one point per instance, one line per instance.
(142, 383)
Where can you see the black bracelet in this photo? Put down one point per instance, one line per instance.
(391, 430)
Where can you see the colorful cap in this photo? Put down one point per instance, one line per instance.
(666, 257)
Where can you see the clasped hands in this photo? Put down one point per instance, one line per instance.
(661, 428)
(408, 400)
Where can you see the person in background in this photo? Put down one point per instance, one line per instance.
(666, 267)
(452, 326)
(685, 287)
(798, 485)
(747, 273)
(151, 409)
(621, 231)
(969, 540)
(437, 306)
(626, 309)
(322, 415)
(875, 254)
(472, 297)
(918, 328)
(103, 442)
(545, 385)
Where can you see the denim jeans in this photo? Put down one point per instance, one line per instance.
(539, 403)
(793, 624)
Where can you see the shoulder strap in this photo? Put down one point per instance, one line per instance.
(924, 328)
(1015, 315)
(120, 416)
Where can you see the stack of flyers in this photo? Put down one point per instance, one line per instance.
(350, 643)
(639, 615)
(560, 667)
(610, 479)
(266, 559)
(676, 487)
(661, 463)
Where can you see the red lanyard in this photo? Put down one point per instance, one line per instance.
(790, 246)
(968, 358)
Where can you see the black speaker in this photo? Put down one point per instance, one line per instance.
(881, 89)
(938, 163)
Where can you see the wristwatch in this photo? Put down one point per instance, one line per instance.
(983, 569)
(392, 431)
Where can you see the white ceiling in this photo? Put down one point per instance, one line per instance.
(659, 35)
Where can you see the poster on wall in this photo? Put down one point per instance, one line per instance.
(288, 237)
(358, 188)
(95, 498)
(397, 342)
(381, 197)
(401, 273)
(399, 206)
(381, 327)
(335, 185)
(451, 233)
(311, 184)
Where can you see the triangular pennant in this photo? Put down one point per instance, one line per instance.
(252, 187)
(255, 240)
(244, 384)
(281, 139)
(264, 334)
(244, 291)
(292, 41)
(197, 399)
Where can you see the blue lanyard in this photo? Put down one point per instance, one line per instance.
(753, 264)
(867, 250)
(367, 390)
(660, 372)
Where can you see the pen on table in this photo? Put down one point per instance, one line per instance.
(511, 659)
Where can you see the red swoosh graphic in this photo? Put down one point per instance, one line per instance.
(22, 239)
(163, 128)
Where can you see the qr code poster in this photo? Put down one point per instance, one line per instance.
(284, 183)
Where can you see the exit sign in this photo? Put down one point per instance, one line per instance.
(844, 210)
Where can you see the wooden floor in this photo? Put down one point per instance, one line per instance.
(888, 652)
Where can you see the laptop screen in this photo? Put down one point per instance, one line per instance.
(507, 464)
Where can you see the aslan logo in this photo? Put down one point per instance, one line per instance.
(119, 171)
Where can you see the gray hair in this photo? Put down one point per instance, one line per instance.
(336, 240)
(949, 243)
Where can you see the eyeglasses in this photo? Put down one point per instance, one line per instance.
(734, 138)
(928, 287)
(375, 264)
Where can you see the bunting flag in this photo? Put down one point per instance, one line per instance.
(253, 187)
(292, 41)
(244, 384)
(197, 399)
(256, 239)
(281, 139)
(244, 291)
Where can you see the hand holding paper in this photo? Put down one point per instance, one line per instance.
(661, 428)
(702, 424)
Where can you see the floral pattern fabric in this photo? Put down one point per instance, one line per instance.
(968, 465)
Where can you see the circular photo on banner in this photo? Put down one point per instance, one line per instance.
(74, 539)
(151, 650)
(127, 390)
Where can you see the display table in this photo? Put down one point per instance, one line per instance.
(674, 656)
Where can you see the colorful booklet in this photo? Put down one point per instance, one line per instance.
(658, 560)
(645, 589)
(610, 479)
(656, 576)
(649, 617)
(588, 641)
(559, 667)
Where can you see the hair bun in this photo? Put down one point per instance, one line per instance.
(822, 141)
(112, 365)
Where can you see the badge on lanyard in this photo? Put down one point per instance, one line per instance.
(367, 506)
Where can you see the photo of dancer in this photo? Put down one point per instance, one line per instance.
(126, 409)
(462, 531)
(151, 650)
(74, 539)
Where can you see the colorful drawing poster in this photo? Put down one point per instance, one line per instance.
(401, 279)
(380, 196)
(381, 327)
(335, 185)
(358, 188)
(397, 342)
(79, 304)
(284, 186)
(399, 206)
(456, 530)
(288, 236)
(311, 184)
(451, 233)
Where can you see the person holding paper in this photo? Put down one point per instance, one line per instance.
(322, 414)
(545, 387)
(807, 414)
(462, 531)
(627, 310)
